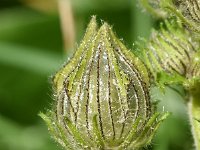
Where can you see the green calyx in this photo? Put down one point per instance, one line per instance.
(171, 55)
(102, 96)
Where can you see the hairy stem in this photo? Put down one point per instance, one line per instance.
(158, 13)
(194, 113)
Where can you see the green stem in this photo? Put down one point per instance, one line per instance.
(155, 12)
(194, 113)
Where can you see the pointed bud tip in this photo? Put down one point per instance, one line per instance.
(105, 28)
(93, 23)
(93, 19)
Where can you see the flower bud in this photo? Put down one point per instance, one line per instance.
(170, 50)
(102, 96)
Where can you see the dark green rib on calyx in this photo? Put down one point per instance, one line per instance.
(102, 95)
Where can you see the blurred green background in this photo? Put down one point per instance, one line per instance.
(31, 50)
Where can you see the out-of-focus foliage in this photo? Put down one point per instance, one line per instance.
(31, 50)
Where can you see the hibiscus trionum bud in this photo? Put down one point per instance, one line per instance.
(102, 96)
(170, 50)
